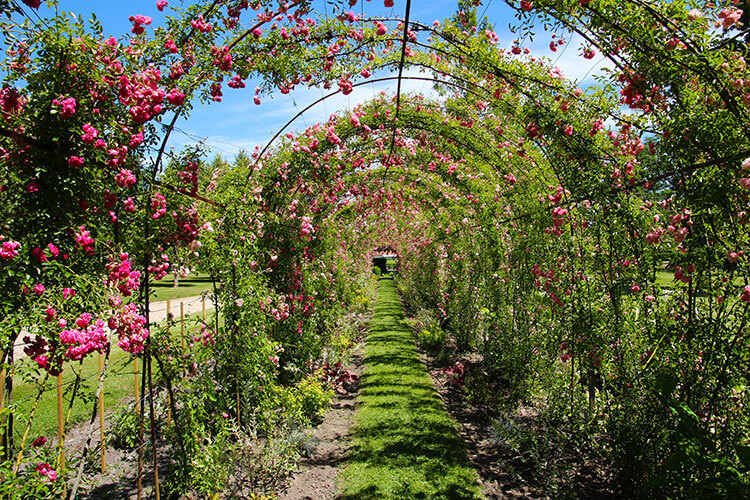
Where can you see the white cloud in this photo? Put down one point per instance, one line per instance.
(568, 57)
(237, 123)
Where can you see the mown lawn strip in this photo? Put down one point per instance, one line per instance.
(404, 443)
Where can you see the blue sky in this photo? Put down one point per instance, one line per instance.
(236, 123)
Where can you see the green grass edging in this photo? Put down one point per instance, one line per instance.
(118, 384)
(405, 444)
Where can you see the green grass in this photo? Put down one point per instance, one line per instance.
(196, 284)
(118, 384)
(404, 443)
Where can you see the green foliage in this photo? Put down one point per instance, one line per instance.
(301, 405)
(534, 223)
(361, 304)
(432, 340)
(122, 432)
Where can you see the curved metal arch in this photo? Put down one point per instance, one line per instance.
(318, 101)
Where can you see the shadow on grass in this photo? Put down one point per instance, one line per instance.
(405, 445)
(185, 282)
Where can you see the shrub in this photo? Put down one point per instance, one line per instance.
(303, 404)
(432, 340)
(313, 398)
(361, 304)
(123, 432)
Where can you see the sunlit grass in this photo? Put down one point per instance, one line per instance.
(405, 445)
(119, 383)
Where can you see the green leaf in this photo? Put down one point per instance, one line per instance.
(743, 453)
(665, 384)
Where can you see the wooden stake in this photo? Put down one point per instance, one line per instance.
(182, 330)
(60, 427)
(168, 308)
(140, 443)
(135, 379)
(182, 325)
(7, 424)
(147, 366)
(2, 397)
(2, 389)
(2, 405)
(204, 309)
(103, 444)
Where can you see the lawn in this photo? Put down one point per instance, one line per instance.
(196, 284)
(405, 444)
(118, 385)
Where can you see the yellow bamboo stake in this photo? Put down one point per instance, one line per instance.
(28, 426)
(168, 308)
(135, 379)
(138, 412)
(2, 403)
(182, 331)
(103, 444)
(204, 309)
(60, 427)
(182, 325)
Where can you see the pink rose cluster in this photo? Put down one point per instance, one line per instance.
(206, 335)
(67, 106)
(130, 328)
(125, 178)
(89, 133)
(39, 351)
(142, 93)
(122, 275)
(85, 241)
(189, 176)
(158, 205)
(47, 471)
(139, 22)
(11, 102)
(729, 17)
(188, 222)
(676, 229)
(307, 227)
(160, 270)
(201, 25)
(85, 339)
(9, 249)
(40, 256)
(222, 57)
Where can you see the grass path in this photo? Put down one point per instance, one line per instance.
(404, 443)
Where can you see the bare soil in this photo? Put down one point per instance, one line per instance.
(503, 473)
(326, 451)
(497, 479)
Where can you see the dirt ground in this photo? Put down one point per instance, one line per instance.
(315, 478)
(498, 481)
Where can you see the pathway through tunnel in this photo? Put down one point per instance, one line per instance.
(404, 443)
